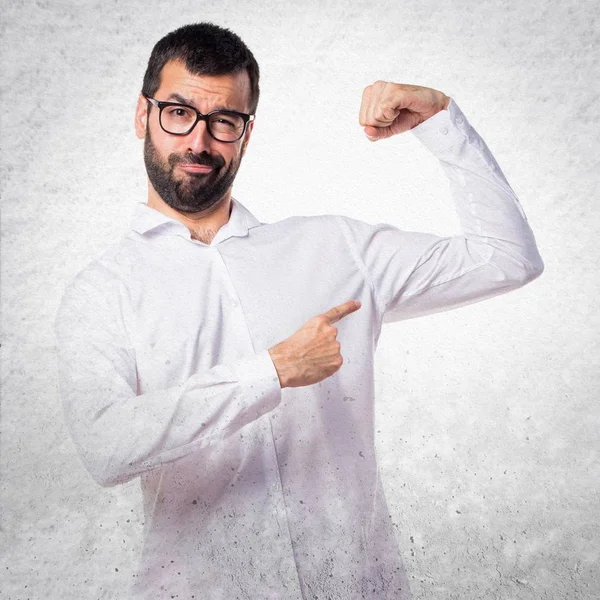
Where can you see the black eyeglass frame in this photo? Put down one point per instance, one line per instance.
(201, 117)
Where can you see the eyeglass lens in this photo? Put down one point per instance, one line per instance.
(223, 126)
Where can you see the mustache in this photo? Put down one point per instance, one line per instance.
(204, 158)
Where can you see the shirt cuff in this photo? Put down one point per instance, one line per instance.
(445, 129)
(259, 371)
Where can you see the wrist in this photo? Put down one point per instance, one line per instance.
(279, 364)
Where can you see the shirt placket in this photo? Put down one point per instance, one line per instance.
(278, 512)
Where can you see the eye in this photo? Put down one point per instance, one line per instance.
(178, 112)
(223, 121)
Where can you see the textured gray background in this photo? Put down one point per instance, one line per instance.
(488, 416)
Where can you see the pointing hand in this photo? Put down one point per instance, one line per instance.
(312, 353)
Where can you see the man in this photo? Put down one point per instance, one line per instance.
(203, 353)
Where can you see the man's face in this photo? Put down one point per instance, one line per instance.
(192, 173)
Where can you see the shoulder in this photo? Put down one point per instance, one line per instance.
(330, 230)
(326, 225)
(99, 282)
(105, 268)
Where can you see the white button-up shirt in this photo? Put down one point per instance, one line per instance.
(250, 490)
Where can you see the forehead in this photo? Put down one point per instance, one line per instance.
(223, 91)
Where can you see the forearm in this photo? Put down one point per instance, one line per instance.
(120, 435)
(414, 274)
(491, 217)
(120, 432)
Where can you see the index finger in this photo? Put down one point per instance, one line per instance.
(341, 310)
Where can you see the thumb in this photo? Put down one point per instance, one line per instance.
(377, 133)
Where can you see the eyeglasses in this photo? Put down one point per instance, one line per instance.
(180, 119)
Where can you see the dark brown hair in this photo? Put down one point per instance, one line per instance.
(205, 49)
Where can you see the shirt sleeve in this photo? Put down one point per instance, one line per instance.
(414, 274)
(120, 434)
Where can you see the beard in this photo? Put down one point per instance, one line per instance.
(194, 192)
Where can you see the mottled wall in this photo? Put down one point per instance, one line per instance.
(488, 428)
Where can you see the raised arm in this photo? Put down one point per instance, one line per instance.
(414, 274)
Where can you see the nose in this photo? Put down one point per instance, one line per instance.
(199, 139)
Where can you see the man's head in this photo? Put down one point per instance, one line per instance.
(207, 68)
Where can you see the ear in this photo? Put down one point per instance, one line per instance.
(247, 136)
(141, 117)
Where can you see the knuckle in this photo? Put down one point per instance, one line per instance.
(312, 322)
(387, 104)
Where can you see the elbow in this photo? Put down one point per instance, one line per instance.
(515, 271)
(101, 473)
(107, 479)
(510, 275)
(105, 470)
(99, 451)
(532, 270)
(114, 473)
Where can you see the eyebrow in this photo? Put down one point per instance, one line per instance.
(179, 98)
(175, 97)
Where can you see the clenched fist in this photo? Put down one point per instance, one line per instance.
(391, 108)
(312, 353)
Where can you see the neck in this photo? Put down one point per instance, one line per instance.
(202, 225)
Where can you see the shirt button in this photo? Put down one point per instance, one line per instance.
(459, 120)
(444, 130)
(234, 302)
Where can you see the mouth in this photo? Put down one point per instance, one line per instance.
(196, 169)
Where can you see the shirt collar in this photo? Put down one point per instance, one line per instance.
(146, 219)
